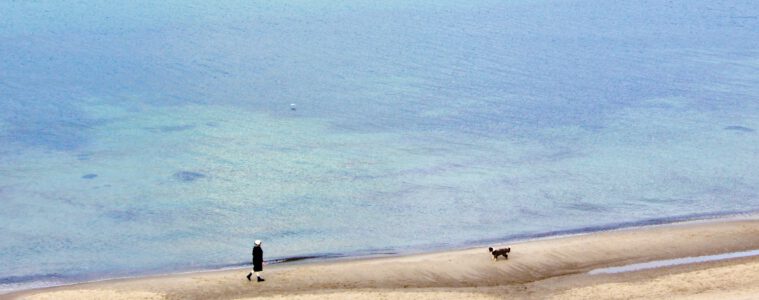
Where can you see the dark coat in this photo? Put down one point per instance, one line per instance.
(258, 259)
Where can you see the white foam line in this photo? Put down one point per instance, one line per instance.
(673, 262)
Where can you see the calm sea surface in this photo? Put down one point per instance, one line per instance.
(147, 137)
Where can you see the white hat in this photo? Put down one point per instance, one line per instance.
(258, 242)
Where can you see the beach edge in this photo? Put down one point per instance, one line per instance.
(453, 271)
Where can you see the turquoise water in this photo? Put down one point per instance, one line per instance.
(147, 137)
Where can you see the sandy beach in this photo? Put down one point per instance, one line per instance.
(538, 269)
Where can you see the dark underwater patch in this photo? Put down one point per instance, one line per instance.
(121, 215)
(739, 128)
(176, 128)
(584, 206)
(307, 257)
(173, 128)
(50, 135)
(188, 176)
(89, 176)
(40, 122)
(84, 156)
(667, 201)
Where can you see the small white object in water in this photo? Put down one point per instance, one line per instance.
(292, 106)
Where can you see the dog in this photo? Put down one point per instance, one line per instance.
(498, 252)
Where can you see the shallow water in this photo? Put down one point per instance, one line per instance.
(673, 262)
(141, 137)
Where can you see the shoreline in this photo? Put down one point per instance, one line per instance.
(430, 248)
(728, 236)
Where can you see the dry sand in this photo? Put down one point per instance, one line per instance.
(549, 268)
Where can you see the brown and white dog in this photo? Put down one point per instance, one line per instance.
(499, 252)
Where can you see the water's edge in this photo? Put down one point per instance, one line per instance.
(23, 283)
(654, 264)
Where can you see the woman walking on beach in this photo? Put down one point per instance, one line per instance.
(258, 261)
